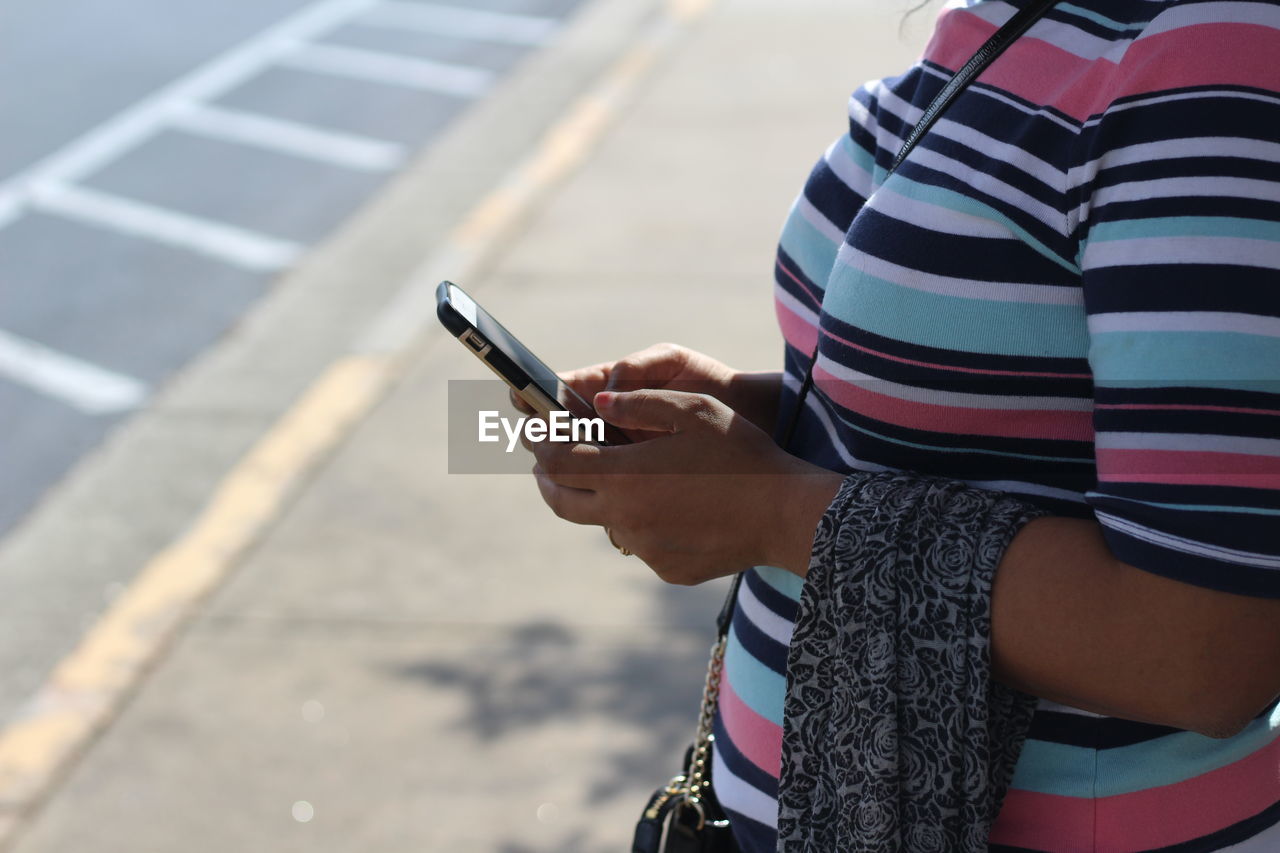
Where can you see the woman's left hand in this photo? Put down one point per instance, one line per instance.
(710, 496)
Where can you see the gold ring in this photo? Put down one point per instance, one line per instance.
(622, 549)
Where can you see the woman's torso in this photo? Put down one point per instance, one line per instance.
(1036, 303)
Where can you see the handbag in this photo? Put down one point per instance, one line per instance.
(684, 816)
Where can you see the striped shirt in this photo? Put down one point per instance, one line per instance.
(1070, 291)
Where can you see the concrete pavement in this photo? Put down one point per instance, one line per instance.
(390, 670)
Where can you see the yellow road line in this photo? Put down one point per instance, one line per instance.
(89, 686)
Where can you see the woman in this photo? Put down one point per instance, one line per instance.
(1068, 293)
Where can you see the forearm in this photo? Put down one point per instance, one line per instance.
(1073, 624)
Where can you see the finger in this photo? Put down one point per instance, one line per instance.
(518, 402)
(588, 381)
(579, 506)
(652, 367)
(579, 466)
(654, 410)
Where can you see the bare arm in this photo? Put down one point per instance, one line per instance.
(1073, 624)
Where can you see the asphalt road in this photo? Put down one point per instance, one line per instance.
(164, 161)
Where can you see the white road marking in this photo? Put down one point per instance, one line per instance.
(460, 23)
(89, 388)
(227, 243)
(140, 122)
(299, 140)
(459, 80)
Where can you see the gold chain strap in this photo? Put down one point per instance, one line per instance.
(690, 784)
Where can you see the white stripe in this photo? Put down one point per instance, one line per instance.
(1163, 98)
(1182, 249)
(741, 796)
(1206, 186)
(1021, 159)
(942, 220)
(1065, 36)
(1172, 149)
(848, 170)
(773, 625)
(952, 399)
(1028, 489)
(965, 174)
(1192, 14)
(1184, 321)
(109, 140)
(824, 226)
(1246, 445)
(1043, 112)
(962, 288)
(460, 23)
(457, 80)
(89, 388)
(1188, 546)
(234, 245)
(287, 137)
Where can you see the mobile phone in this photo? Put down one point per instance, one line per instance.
(489, 341)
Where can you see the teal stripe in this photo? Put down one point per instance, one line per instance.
(864, 158)
(963, 204)
(952, 322)
(785, 582)
(1155, 359)
(1185, 226)
(762, 689)
(936, 449)
(1077, 771)
(1177, 758)
(1244, 510)
(1054, 768)
(1101, 20)
(812, 251)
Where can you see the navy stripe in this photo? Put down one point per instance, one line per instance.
(775, 601)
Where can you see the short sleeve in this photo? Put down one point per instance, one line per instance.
(1178, 220)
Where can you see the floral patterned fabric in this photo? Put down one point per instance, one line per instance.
(895, 736)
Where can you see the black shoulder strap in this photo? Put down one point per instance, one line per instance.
(992, 48)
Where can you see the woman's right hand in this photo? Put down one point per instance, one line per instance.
(676, 368)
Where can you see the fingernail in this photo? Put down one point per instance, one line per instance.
(604, 399)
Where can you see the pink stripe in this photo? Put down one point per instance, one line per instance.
(1187, 467)
(1175, 407)
(798, 331)
(1171, 814)
(1045, 822)
(755, 737)
(1006, 423)
(1202, 54)
(813, 298)
(1221, 54)
(954, 368)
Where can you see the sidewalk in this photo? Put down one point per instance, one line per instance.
(386, 673)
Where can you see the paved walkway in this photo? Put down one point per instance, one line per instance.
(387, 670)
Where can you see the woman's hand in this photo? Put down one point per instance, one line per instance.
(676, 368)
(709, 495)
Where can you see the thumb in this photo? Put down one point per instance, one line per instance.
(651, 410)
